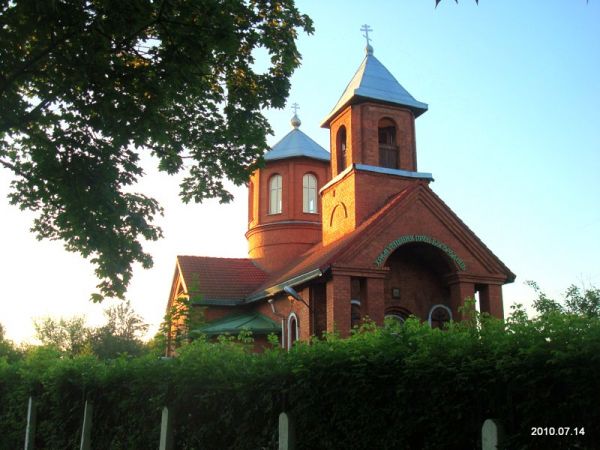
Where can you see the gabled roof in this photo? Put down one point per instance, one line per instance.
(372, 81)
(319, 258)
(255, 322)
(219, 280)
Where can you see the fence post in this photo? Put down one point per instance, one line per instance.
(166, 430)
(492, 434)
(86, 429)
(31, 423)
(287, 432)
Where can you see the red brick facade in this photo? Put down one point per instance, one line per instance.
(380, 242)
(361, 122)
(277, 239)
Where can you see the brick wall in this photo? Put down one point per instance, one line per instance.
(361, 122)
(338, 304)
(354, 198)
(274, 240)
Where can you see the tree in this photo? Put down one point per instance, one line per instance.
(7, 347)
(89, 87)
(69, 336)
(177, 324)
(585, 303)
(122, 333)
(123, 321)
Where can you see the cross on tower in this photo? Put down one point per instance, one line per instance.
(295, 107)
(366, 28)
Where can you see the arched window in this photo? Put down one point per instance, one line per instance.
(388, 150)
(275, 194)
(342, 154)
(292, 330)
(439, 315)
(309, 193)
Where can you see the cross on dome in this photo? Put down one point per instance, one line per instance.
(295, 120)
(366, 28)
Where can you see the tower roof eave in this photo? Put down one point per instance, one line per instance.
(372, 81)
(295, 144)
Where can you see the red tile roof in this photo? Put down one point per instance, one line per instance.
(220, 278)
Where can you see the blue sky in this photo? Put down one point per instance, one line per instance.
(512, 137)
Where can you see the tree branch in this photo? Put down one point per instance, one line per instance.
(12, 167)
(26, 66)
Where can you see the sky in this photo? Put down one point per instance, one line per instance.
(512, 138)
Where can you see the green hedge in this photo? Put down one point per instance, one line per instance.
(406, 387)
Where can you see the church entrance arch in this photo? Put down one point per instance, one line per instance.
(417, 279)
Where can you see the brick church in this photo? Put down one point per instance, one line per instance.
(336, 236)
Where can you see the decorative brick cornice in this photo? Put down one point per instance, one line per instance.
(454, 278)
(285, 224)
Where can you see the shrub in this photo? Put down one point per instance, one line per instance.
(394, 387)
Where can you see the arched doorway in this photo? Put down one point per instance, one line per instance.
(418, 278)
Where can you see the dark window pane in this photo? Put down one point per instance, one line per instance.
(388, 156)
(387, 135)
(355, 315)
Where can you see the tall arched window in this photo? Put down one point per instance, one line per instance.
(309, 193)
(275, 194)
(388, 150)
(292, 330)
(342, 154)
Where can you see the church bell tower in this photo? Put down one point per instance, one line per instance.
(373, 146)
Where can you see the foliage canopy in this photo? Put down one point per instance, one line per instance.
(577, 301)
(121, 334)
(88, 87)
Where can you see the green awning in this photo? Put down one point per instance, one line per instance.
(254, 322)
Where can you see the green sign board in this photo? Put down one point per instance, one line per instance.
(409, 238)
